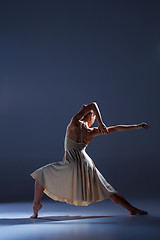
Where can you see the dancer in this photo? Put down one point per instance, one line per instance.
(76, 180)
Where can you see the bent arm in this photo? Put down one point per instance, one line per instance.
(86, 109)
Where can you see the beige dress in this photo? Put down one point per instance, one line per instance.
(75, 180)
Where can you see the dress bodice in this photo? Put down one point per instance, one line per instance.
(70, 144)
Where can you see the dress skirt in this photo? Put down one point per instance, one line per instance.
(75, 180)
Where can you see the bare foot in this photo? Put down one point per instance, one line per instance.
(36, 208)
(134, 212)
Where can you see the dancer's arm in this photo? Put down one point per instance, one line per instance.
(86, 109)
(119, 128)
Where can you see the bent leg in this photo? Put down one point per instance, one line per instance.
(119, 199)
(38, 192)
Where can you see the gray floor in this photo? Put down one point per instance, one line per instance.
(57, 220)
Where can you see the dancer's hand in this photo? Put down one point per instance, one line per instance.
(102, 128)
(143, 125)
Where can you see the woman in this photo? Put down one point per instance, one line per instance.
(76, 180)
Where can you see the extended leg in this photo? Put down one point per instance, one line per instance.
(119, 199)
(38, 192)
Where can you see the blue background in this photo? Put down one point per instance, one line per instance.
(56, 56)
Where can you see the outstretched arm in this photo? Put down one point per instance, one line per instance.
(121, 128)
(118, 128)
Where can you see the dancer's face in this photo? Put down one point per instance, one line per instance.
(91, 119)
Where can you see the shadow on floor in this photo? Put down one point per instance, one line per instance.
(133, 220)
(16, 221)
